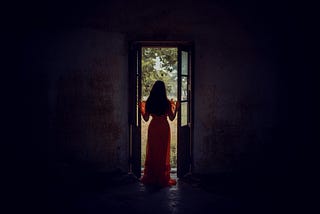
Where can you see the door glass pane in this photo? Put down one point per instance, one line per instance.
(184, 88)
(184, 113)
(184, 63)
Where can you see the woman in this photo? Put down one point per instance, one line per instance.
(157, 164)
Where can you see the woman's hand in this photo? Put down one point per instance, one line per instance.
(177, 105)
(142, 106)
(174, 105)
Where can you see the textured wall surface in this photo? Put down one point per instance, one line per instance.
(84, 53)
(87, 91)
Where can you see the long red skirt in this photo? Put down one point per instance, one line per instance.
(157, 164)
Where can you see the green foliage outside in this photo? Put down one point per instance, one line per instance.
(159, 64)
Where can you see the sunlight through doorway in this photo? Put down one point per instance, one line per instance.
(159, 63)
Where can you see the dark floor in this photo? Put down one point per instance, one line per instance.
(80, 192)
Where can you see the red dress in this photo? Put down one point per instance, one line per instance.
(157, 164)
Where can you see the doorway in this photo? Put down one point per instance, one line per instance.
(172, 63)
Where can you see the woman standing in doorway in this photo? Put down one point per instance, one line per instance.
(157, 164)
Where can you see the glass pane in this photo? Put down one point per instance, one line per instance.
(184, 63)
(184, 88)
(184, 113)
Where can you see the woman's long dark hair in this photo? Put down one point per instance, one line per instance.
(157, 102)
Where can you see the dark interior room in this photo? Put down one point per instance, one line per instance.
(249, 111)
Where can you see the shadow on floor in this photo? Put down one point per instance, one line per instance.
(73, 190)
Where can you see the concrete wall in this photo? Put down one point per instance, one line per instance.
(87, 91)
(83, 54)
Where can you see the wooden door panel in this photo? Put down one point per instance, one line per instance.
(183, 152)
(184, 116)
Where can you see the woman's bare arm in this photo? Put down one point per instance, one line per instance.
(142, 107)
(173, 110)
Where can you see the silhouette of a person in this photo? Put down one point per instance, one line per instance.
(157, 163)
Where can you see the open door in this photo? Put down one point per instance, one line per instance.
(184, 95)
(184, 162)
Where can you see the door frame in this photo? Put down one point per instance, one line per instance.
(134, 63)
